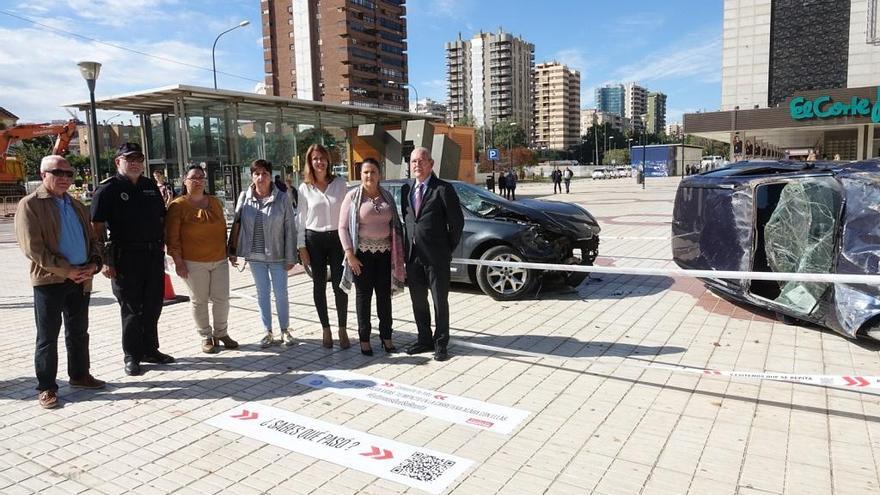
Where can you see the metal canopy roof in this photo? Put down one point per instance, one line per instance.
(251, 106)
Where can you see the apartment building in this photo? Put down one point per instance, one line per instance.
(557, 106)
(339, 51)
(656, 112)
(490, 79)
(591, 116)
(428, 106)
(611, 99)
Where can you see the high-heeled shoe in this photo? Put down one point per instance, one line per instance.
(327, 340)
(343, 339)
(368, 351)
(389, 349)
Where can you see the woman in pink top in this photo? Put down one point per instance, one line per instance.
(371, 235)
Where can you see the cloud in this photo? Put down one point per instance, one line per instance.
(121, 12)
(573, 58)
(696, 57)
(40, 74)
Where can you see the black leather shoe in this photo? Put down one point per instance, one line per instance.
(441, 354)
(158, 358)
(419, 349)
(132, 367)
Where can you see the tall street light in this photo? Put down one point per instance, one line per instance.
(510, 142)
(213, 48)
(90, 71)
(411, 87)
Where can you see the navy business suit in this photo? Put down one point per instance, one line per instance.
(431, 237)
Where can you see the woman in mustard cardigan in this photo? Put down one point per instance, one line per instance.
(195, 237)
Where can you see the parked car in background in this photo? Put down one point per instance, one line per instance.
(340, 170)
(530, 230)
(782, 216)
(711, 162)
(623, 172)
(599, 173)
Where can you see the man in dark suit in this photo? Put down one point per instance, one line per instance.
(433, 223)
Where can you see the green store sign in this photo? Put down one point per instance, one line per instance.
(824, 107)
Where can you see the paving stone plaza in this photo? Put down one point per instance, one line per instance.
(603, 417)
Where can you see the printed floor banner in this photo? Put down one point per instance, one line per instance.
(452, 408)
(413, 466)
(856, 382)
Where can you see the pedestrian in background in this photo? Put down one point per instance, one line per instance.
(566, 176)
(266, 239)
(131, 206)
(556, 177)
(372, 237)
(320, 202)
(502, 185)
(195, 238)
(165, 189)
(511, 184)
(53, 232)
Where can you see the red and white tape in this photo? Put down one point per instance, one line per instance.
(856, 382)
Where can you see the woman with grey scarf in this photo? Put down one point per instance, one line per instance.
(372, 237)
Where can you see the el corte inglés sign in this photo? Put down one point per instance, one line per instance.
(824, 107)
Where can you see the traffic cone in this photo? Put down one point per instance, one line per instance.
(170, 297)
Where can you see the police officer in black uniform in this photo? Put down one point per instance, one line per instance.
(131, 206)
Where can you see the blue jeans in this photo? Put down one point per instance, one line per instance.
(274, 275)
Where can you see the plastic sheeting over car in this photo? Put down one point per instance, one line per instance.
(800, 235)
(820, 218)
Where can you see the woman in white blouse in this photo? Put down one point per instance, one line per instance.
(320, 201)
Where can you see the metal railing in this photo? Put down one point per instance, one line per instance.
(9, 204)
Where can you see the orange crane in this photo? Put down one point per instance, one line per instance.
(11, 174)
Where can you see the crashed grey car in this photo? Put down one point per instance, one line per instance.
(781, 216)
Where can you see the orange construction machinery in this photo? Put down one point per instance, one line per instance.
(12, 172)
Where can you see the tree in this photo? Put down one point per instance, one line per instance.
(619, 157)
(506, 135)
(31, 151)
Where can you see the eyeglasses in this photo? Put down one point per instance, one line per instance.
(196, 179)
(57, 172)
(134, 159)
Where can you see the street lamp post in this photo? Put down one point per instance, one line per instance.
(90, 71)
(510, 142)
(213, 48)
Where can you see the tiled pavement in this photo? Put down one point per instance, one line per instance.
(601, 421)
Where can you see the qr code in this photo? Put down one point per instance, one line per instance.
(423, 467)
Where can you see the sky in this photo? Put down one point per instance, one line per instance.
(673, 46)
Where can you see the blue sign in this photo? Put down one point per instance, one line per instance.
(493, 154)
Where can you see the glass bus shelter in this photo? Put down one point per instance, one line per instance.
(226, 130)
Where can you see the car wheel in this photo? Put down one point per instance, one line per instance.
(504, 284)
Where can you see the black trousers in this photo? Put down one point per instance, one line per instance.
(375, 277)
(139, 286)
(567, 185)
(324, 248)
(557, 185)
(420, 277)
(53, 302)
(512, 192)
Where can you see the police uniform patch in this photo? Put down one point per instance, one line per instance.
(124, 196)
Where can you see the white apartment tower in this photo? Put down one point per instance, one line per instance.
(557, 106)
(490, 79)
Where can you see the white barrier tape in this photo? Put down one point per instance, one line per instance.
(851, 382)
(629, 238)
(838, 278)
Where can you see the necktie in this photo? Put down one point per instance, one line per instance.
(417, 203)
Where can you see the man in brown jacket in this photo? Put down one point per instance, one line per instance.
(53, 232)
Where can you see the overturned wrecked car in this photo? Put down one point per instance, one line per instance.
(524, 230)
(780, 216)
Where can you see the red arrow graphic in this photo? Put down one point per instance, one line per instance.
(378, 454)
(857, 381)
(245, 415)
(387, 384)
(440, 397)
(711, 372)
